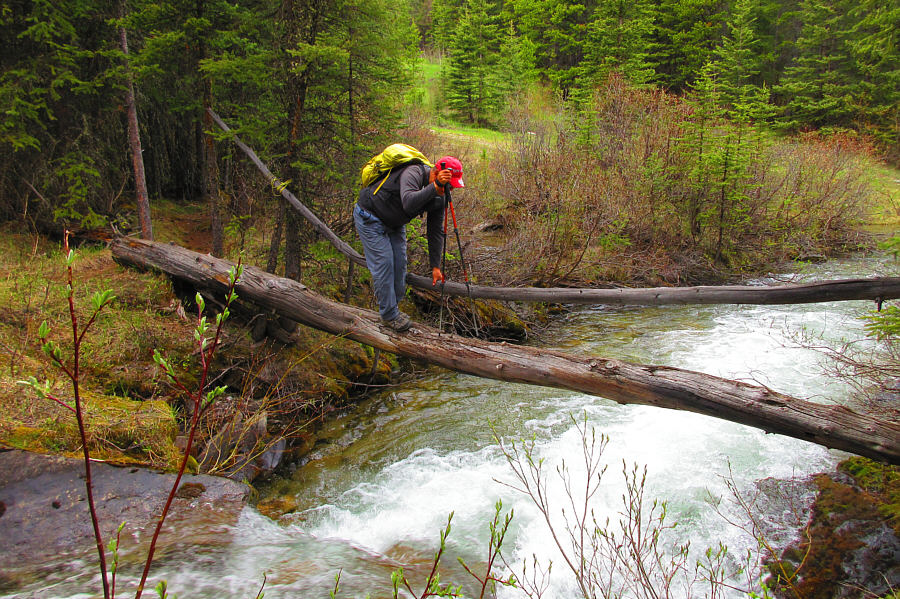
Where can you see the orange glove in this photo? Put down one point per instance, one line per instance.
(436, 275)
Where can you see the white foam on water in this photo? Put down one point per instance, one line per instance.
(688, 457)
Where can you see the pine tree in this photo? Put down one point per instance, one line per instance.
(817, 87)
(618, 37)
(476, 79)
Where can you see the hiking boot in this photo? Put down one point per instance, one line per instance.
(399, 324)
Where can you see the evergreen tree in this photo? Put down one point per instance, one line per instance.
(722, 145)
(699, 148)
(517, 52)
(737, 59)
(134, 137)
(476, 78)
(617, 39)
(817, 89)
(874, 49)
(57, 99)
(445, 14)
(557, 31)
(686, 33)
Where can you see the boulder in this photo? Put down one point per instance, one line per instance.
(46, 517)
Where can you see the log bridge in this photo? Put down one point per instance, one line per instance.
(832, 426)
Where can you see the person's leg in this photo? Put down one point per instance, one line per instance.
(380, 260)
(398, 246)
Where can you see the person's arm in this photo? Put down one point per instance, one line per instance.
(415, 190)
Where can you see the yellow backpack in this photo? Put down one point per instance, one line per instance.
(391, 157)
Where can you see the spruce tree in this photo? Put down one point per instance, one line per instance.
(686, 33)
(737, 60)
(817, 88)
(476, 78)
(58, 109)
(874, 49)
(557, 31)
(618, 38)
(444, 16)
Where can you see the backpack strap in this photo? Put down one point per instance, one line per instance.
(383, 180)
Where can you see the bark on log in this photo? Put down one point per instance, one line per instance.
(830, 425)
(876, 288)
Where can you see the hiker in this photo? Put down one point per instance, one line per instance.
(381, 214)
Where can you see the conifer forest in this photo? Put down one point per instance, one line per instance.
(317, 86)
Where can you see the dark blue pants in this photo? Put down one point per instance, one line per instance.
(385, 251)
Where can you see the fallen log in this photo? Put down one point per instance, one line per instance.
(833, 426)
(877, 289)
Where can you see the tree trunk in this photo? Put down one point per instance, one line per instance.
(275, 243)
(292, 247)
(210, 175)
(829, 425)
(134, 139)
(876, 288)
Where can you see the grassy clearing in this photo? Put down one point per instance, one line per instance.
(428, 89)
(886, 195)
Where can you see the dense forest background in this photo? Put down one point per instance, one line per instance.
(317, 86)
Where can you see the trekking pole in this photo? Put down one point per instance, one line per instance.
(443, 266)
(461, 258)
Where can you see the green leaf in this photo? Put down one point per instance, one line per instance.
(201, 304)
(101, 298)
(41, 389)
(212, 395)
(43, 330)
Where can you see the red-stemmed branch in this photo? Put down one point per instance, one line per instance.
(199, 399)
(73, 371)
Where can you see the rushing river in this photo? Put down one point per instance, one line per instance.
(381, 482)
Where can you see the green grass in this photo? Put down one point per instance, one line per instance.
(886, 187)
(431, 70)
(429, 90)
(119, 381)
(475, 134)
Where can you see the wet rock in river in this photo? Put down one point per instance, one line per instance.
(46, 515)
